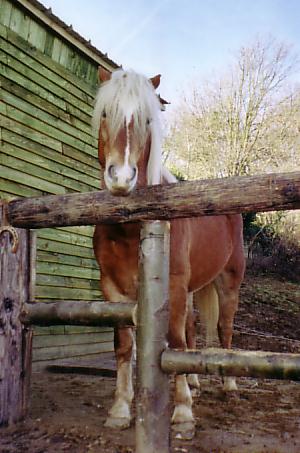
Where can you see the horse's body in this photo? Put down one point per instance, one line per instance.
(205, 252)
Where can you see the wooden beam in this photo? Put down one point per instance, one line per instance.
(80, 313)
(279, 191)
(15, 339)
(152, 405)
(222, 362)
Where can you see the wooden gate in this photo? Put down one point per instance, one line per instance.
(154, 360)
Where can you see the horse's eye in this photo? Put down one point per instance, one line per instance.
(104, 114)
(148, 121)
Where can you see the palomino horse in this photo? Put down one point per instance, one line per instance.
(205, 253)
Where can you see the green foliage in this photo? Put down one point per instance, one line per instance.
(272, 248)
(250, 226)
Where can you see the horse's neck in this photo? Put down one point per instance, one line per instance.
(166, 176)
(143, 165)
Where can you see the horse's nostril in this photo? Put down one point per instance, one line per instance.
(111, 171)
(134, 171)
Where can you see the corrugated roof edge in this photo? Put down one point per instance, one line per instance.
(66, 31)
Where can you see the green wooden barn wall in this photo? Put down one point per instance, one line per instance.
(47, 91)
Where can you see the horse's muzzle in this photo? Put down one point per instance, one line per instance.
(120, 180)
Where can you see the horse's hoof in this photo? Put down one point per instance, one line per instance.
(184, 431)
(193, 381)
(195, 392)
(117, 422)
(229, 384)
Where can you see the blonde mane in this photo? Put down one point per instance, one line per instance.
(126, 95)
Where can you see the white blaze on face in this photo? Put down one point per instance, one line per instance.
(124, 173)
(121, 177)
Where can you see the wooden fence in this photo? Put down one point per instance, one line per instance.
(213, 197)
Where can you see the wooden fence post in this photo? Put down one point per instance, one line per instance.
(15, 340)
(153, 411)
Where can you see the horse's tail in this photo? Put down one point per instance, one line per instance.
(206, 303)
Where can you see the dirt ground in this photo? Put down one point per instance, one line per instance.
(68, 411)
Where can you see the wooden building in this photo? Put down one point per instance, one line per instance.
(48, 79)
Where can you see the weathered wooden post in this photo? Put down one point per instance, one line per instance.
(153, 412)
(15, 340)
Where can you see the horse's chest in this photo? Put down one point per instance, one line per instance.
(120, 263)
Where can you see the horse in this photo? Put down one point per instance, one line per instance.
(206, 253)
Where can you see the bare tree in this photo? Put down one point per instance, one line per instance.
(243, 123)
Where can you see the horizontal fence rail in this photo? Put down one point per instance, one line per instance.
(277, 191)
(222, 362)
(78, 313)
(209, 361)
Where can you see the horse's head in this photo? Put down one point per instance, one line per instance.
(127, 115)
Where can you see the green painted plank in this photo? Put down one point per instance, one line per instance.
(92, 76)
(59, 235)
(78, 115)
(61, 160)
(65, 52)
(46, 180)
(5, 12)
(80, 329)
(36, 100)
(19, 23)
(3, 109)
(67, 260)
(45, 105)
(89, 85)
(52, 330)
(49, 292)
(57, 43)
(30, 134)
(31, 86)
(17, 189)
(27, 120)
(19, 63)
(65, 249)
(50, 119)
(61, 270)
(36, 165)
(87, 230)
(68, 282)
(68, 330)
(28, 57)
(29, 180)
(81, 157)
(37, 35)
(43, 341)
(69, 351)
(6, 196)
(49, 44)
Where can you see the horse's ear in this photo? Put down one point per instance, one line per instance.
(163, 102)
(103, 74)
(155, 80)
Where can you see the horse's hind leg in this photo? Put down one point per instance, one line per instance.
(227, 285)
(119, 414)
(190, 329)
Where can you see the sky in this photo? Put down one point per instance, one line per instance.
(184, 40)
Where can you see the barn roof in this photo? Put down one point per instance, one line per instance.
(46, 16)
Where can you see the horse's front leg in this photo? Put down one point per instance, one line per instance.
(119, 414)
(182, 418)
